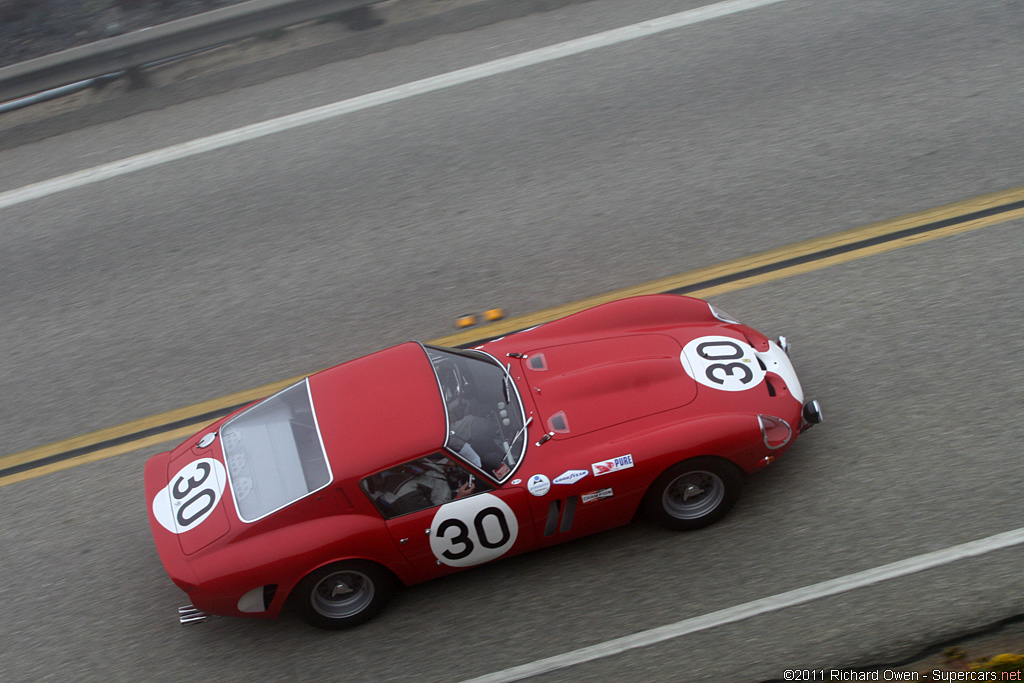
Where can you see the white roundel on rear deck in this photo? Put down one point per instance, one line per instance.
(190, 495)
(722, 363)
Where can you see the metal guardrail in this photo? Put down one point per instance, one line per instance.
(128, 52)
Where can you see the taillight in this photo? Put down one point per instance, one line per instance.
(775, 430)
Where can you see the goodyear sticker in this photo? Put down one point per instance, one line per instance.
(570, 476)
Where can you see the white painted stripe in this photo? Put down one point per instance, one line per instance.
(401, 92)
(772, 603)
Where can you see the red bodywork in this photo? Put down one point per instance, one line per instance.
(605, 383)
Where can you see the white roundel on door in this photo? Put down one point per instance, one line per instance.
(722, 363)
(473, 530)
(190, 495)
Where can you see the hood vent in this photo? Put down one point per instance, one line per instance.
(558, 423)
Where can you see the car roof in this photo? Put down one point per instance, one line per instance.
(379, 410)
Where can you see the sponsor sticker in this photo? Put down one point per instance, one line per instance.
(597, 495)
(516, 481)
(623, 462)
(570, 476)
(501, 471)
(538, 485)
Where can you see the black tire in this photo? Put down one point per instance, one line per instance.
(694, 493)
(344, 594)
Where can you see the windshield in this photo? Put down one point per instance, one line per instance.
(486, 421)
(274, 453)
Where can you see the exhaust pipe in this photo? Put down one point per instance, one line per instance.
(190, 615)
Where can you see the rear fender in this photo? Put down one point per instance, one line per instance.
(307, 546)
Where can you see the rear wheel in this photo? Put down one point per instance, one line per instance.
(344, 594)
(694, 493)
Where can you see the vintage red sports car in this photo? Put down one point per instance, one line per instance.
(417, 461)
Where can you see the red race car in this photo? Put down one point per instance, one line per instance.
(418, 461)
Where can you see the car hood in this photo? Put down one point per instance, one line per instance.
(583, 386)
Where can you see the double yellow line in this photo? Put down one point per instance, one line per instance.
(740, 273)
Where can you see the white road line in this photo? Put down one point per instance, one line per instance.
(772, 603)
(336, 109)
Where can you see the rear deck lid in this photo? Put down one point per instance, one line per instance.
(190, 505)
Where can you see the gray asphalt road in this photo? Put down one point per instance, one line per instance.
(286, 254)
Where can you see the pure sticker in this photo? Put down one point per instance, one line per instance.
(190, 496)
(623, 462)
(473, 530)
(722, 363)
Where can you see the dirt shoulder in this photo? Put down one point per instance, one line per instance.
(958, 655)
(34, 28)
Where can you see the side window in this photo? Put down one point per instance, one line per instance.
(420, 484)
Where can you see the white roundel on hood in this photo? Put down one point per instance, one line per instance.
(722, 363)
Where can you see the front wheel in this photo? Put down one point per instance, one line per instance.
(343, 595)
(694, 493)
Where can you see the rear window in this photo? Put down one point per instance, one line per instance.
(274, 453)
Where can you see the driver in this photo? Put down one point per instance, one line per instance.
(428, 488)
(473, 432)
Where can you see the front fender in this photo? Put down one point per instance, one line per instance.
(735, 437)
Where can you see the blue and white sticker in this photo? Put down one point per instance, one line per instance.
(722, 363)
(190, 496)
(570, 476)
(474, 530)
(623, 462)
(538, 485)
